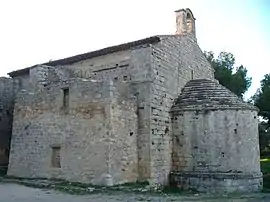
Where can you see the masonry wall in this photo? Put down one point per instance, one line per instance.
(216, 141)
(8, 87)
(130, 66)
(175, 60)
(83, 131)
(23, 81)
(123, 152)
(216, 151)
(155, 73)
(134, 68)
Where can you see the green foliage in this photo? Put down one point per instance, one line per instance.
(232, 77)
(261, 99)
(264, 139)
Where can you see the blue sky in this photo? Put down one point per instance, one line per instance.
(33, 31)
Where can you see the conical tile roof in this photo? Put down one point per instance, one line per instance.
(208, 94)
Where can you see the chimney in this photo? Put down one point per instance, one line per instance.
(185, 22)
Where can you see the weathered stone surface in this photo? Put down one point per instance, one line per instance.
(172, 68)
(217, 182)
(185, 22)
(8, 88)
(93, 133)
(215, 138)
(116, 123)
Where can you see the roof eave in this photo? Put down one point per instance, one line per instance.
(19, 72)
(93, 54)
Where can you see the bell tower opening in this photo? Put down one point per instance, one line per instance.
(185, 22)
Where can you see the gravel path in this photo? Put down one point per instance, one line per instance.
(19, 193)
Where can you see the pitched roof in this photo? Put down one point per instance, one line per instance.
(89, 55)
(208, 94)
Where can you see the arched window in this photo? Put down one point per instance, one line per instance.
(188, 16)
(190, 22)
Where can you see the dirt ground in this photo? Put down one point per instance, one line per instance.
(13, 192)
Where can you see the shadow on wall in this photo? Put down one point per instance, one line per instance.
(8, 90)
(4, 157)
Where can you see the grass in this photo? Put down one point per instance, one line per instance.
(265, 166)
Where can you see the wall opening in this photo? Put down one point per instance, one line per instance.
(188, 16)
(56, 157)
(66, 98)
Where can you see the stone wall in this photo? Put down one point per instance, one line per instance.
(130, 66)
(83, 131)
(175, 60)
(216, 151)
(217, 141)
(123, 152)
(155, 74)
(134, 68)
(8, 87)
(23, 81)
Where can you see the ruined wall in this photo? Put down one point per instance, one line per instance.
(175, 60)
(8, 88)
(83, 131)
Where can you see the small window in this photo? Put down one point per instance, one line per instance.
(192, 74)
(56, 157)
(65, 98)
(188, 16)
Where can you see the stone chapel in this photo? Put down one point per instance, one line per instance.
(147, 110)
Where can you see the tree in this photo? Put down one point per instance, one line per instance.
(233, 78)
(264, 138)
(261, 99)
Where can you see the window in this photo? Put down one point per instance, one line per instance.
(65, 98)
(188, 16)
(192, 74)
(56, 157)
